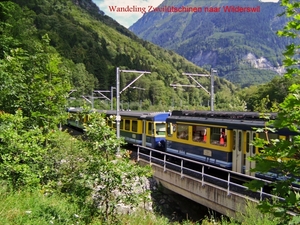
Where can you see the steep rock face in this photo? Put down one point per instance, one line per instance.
(221, 39)
(263, 63)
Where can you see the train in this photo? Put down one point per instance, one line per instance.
(142, 128)
(222, 139)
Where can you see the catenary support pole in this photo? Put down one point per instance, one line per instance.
(118, 119)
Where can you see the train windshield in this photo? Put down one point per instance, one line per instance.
(160, 129)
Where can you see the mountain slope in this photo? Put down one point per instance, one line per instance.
(243, 46)
(80, 32)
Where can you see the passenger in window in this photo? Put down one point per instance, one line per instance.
(223, 139)
(196, 136)
(203, 133)
(183, 135)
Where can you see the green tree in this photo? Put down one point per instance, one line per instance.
(21, 150)
(280, 155)
(118, 178)
(35, 84)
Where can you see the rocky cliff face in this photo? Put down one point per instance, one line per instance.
(263, 63)
(232, 41)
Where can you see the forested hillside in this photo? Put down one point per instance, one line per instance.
(92, 45)
(243, 46)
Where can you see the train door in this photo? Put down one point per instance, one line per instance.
(144, 132)
(250, 152)
(237, 151)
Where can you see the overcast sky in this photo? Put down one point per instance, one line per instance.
(129, 18)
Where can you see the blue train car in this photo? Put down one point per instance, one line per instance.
(155, 130)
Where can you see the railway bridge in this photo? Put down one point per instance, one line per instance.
(216, 188)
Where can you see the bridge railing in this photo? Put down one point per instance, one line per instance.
(233, 182)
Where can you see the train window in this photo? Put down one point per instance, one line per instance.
(199, 134)
(270, 137)
(160, 128)
(114, 124)
(273, 136)
(240, 141)
(290, 137)
(127, 124)
(109, 122)
(234, 140)
(169, 129)
(134, 126)
(85, 118)
(122, 124)
(218, 136)
(252, 146)
(247, 142)
(183, 132)
(150, 129)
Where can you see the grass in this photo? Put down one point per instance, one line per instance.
(22, 208)
(34, 208)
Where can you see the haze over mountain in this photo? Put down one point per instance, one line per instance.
(242, 46)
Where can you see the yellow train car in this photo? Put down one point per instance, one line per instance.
(223, 139)
(76, 118)
(143, 128)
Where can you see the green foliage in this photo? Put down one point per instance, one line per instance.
(81, 80)
(272, 94)
(282, 156)
(117, 179)
(103, 141)
(25, 207)
(35, 84)
(22, 150)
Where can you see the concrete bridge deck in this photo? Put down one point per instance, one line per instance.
(219, 194)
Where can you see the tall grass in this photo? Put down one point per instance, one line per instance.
(24, 207)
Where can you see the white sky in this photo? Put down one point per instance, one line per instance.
(129, 18)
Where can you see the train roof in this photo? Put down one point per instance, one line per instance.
(73, 109)
(233, 120)
(122, 113)
(223, 115)
(157, 116)
(151, 116)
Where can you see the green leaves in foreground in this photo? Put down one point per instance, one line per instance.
(282, 157)
(21, 150)
(34, 83)
(116, 181)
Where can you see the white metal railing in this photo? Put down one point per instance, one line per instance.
(184, 171)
